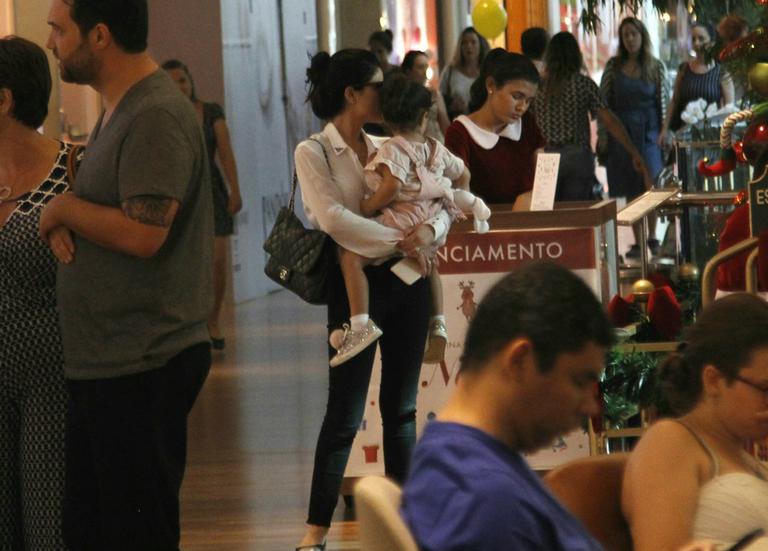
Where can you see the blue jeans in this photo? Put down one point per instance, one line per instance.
(402, 312)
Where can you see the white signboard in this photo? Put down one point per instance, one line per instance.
(470, 264)
(545, 181)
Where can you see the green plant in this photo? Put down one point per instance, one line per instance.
(628, 385)
(704, 10)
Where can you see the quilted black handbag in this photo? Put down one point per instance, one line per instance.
(299, 258)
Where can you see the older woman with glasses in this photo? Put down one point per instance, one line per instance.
(690, 476)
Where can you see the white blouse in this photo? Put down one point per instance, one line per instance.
(332, 197)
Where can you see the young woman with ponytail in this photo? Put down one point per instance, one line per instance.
(689, 476)
(499, 138)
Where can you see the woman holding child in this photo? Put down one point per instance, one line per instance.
(344, 90)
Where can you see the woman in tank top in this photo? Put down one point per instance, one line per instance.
(689, 476)
(700, 77)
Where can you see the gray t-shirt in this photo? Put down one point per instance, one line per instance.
(121, 314)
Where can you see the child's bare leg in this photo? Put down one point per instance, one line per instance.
(364, 331)
(352, 265)
(438, 336)
(436, 287)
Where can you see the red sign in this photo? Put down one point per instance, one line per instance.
(504, 250)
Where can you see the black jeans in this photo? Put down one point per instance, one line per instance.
(402, 312)
(126, 449)
(576, 180)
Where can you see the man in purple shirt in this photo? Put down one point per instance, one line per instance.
(532, 356)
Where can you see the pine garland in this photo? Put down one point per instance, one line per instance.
(703, 10)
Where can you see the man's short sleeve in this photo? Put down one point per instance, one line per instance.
(156, 158)
(485, 518)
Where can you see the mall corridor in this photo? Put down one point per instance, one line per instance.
(253, 429)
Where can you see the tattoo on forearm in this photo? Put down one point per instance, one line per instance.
(149, 209)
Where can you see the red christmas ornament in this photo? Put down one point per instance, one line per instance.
(755, 140)
(718, 168)
(744, 46)
(762, 2)
(738, 148)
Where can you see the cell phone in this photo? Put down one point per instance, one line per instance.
(408, 270)
(746, 540)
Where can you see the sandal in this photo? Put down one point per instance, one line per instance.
(315, 547)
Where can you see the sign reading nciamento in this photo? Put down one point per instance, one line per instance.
(502, 251)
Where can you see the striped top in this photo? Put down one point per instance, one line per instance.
(694, 86)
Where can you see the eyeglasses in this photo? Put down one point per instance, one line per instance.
(753, 384)
(375, 85)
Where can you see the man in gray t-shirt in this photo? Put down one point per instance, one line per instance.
(134, 286)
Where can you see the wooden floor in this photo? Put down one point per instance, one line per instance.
(253, 430)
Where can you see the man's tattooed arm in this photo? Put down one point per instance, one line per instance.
(152, 210)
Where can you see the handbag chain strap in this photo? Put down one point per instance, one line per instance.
(296, 178)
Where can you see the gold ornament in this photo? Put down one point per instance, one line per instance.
(642, 287)
(758, 78)
(688, 271)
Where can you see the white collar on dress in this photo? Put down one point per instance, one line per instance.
(339, 145)
(487, 139)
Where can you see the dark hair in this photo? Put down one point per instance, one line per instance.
(458, 57)
(563, 60)
(403, 102)
(645, 58)
(382, 37)
(708, 57)
(731, 27)
(172, 64)
(533, 42)
(329, 76)
(543, 302)
(725, 336)
(128, 20)
(502, 66)
(25, 72)
(410, 59)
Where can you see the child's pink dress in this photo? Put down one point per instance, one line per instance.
(426, 170)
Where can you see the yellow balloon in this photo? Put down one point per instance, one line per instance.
(489, 18)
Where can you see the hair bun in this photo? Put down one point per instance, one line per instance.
(679, 384)
(318, 68)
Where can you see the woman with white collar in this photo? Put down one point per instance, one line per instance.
(498, 140)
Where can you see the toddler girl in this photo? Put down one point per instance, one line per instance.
(411, 179)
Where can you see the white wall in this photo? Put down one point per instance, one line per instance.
(30, 21)
(264, 131)
(190, 31)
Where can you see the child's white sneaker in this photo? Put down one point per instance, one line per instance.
(353, 342)
(436, 341)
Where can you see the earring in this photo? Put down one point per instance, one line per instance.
(490, 92)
